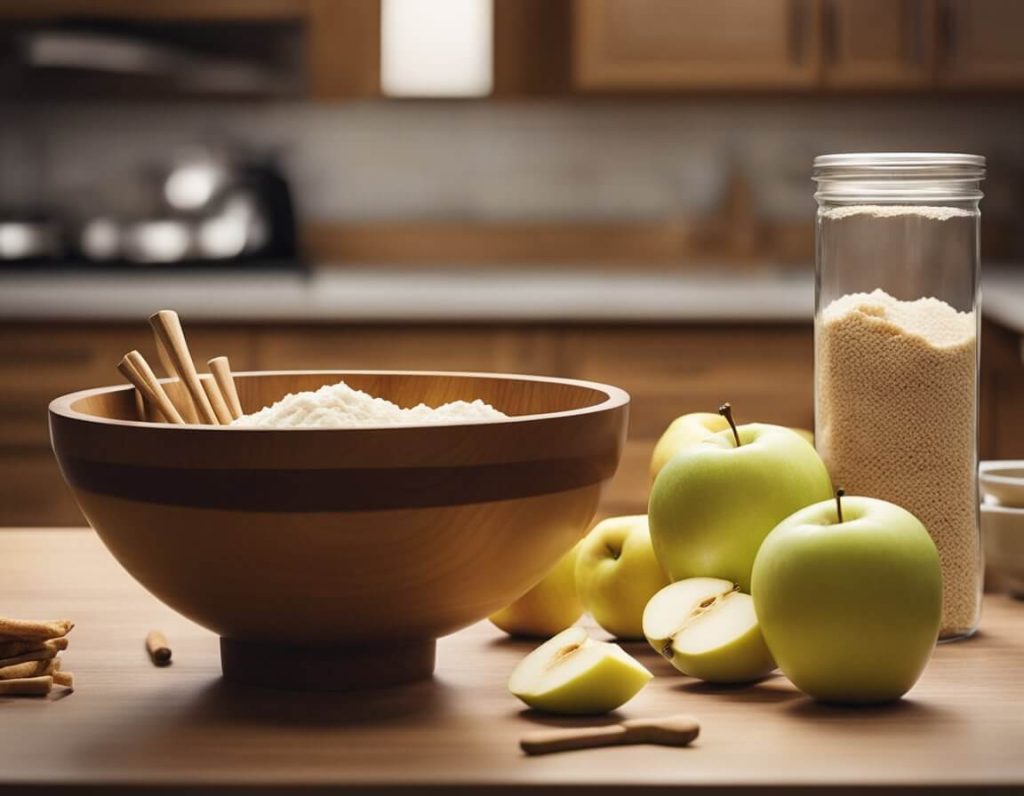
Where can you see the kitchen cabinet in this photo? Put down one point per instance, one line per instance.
(664, 45)
(40, 362)
(878, 43)
(797, 45)
(764, 370)
(981, 45)
(176, 10)
(321, 49)
(505, 349)
(565, 47)
(1002, 393)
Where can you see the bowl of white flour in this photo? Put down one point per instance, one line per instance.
(350, 518)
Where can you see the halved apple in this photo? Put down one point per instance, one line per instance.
(573, 673)
(708, 629)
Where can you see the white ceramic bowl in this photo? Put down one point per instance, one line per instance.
(1003, 481)
(1002, 533)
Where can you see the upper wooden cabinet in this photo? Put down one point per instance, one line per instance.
(981, 45)
(878, 43)
(638, 45)
(330, 50)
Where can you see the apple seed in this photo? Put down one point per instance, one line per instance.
(704, 606)
(565, 652)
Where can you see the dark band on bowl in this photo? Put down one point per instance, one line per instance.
(306, 491)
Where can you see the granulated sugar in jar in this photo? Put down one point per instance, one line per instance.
(897, 398)
(896, 347)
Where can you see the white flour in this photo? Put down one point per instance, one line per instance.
(892, 211)
(340, 406)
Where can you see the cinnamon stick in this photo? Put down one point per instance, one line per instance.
(11, 649)
(158, 649)
(26, 686)
(22, 629)
(29, 669)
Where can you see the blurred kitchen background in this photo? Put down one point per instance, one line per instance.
(615, 190)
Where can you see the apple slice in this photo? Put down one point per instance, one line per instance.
(573, 673)
(708, 629)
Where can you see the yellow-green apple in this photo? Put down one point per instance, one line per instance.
(807, 435)
(617, 573)
(713, 504)
(683, 432)
(708, 629)
(549, 607)
(573, 673)
(849, 596)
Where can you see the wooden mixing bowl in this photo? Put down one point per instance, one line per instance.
(333, 558)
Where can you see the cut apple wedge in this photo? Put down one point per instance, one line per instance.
(573, 673)
(708, 629)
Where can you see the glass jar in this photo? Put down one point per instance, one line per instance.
(896, 328)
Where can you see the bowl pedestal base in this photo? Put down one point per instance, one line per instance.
(327, 668)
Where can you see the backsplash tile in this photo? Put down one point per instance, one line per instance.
(511, 161)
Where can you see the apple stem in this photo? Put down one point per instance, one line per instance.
(725, 410)
(839, 503)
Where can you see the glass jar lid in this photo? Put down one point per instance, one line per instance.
(899, 176)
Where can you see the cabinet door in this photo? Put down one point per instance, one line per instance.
(638, 45)
(465, 348)
(766, 372)
(879, 43)
(39, 363)
(982, 44)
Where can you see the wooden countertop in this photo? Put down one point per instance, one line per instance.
(131, 724)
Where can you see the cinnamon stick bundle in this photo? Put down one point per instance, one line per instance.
(26, 686)
(28, 669)
(23, 629)
(29, 665)
(12, 649)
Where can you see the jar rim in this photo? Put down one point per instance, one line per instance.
(898, 177)
(900, 159)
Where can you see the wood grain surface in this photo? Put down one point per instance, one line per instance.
(129, 723)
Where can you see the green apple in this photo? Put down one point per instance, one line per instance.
(803, 432)
(683, 432)
(573, 673)
(708, 629)
(617, 573)
(849, 596)
(713, 504)
(549, 607)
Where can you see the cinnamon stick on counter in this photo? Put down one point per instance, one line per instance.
(158, 649)
(26, 686)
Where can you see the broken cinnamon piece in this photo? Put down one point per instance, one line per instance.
(37, 655)
(158, 649)
(27, 686)
(22, 629)
(64, 678)
(12, 649)
(20, 671)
